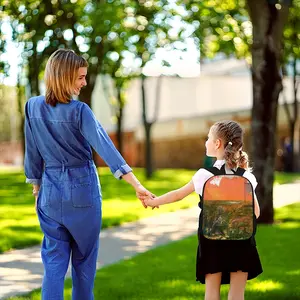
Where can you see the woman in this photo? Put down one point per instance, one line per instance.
(59, 134)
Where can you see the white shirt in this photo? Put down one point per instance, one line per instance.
(202, 175)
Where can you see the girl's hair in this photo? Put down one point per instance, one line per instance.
(60, 75)
(231, 134)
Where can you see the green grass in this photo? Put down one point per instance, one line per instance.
(19, 226)
(281, 178)
(168, 272)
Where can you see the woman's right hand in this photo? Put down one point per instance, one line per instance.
(150, 202)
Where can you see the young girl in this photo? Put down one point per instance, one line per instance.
(219, 261)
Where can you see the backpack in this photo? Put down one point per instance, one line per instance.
(227, 206)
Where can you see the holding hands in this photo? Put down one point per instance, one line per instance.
(149, 201)
(144, 195)
(141, 192)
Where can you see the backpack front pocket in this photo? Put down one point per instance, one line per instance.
(228, 208)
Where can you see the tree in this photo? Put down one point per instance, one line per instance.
(39, 28)
(268, 20)
(85, 26)
(103, 25)
(117, 100)
(94, 29)
(220, 27)
(152, 22)
(116, 67)
(149, 123)
(4, 66)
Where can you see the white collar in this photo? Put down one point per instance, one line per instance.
(219, 163)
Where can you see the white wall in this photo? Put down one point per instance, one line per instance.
(182, 101)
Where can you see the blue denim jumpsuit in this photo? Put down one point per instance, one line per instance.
(58, 157)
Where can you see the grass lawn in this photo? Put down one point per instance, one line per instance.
(19, 226)
(281, 178)
(168, 272)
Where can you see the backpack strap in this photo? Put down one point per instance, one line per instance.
(239, 171)
(213, 170)
(222, 170)
(216, 171)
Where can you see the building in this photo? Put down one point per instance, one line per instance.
(187, 109)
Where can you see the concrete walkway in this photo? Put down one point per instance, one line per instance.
(21, 270)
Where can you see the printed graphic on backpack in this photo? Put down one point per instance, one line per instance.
(228, 208)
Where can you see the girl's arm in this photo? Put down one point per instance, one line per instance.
(172, 196)
(256, 207)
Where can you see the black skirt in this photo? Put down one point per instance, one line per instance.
(214, 256)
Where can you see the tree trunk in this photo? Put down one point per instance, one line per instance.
(93, 72)
(147, 127)
(120, 120)
(86, 93)
(33, 74)
(20, 96)
(148, 149)
(268, 23)
(86, 97)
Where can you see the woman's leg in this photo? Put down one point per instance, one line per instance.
(238, 282)
(55, 254)
(212, 286)
(83, 273)
(85, 244)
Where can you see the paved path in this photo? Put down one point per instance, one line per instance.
(21, 270)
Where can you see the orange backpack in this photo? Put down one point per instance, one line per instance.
(227, 206)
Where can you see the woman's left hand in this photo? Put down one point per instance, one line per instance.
(36, 198)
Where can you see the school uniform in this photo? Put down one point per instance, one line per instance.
(214, 256)
(58, 157)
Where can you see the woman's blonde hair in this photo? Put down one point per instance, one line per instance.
(231, 134)
(60, 75)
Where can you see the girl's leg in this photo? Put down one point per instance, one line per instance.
(238, 282)
(212, 286)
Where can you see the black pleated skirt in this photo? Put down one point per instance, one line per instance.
(214, 256)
